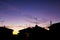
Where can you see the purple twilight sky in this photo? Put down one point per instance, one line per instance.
(24, 12)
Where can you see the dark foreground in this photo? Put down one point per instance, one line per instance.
(35, 33)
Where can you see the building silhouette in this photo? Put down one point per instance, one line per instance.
(55, 27)
(55, 31)
(34, 33)
(5, 33)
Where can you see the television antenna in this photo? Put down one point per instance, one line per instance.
(50, 22)
(36, 21)
(33, 20)
(1, 21)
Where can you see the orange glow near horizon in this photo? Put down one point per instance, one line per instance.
(16, 28)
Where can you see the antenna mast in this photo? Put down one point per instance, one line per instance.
(50, 22)
(2, 22)
(36, 20)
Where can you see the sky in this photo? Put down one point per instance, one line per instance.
(18, 14)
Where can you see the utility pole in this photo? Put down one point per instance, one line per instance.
(1, 22)
(50, 22)
(36, 20)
